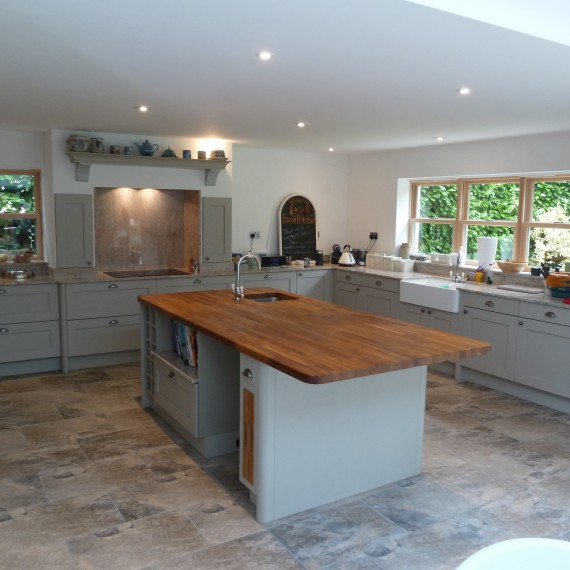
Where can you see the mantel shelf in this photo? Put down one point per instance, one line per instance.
(84, 160)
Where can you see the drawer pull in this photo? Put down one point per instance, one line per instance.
(3, 330)
(489, 304)
(171, 375)
(267, 276)
(113, 286)
(114, 322)
(379, 283)
(347, 277)
(247, 373)
(197, 281)
(2, 291)
(299, 275)
(550, 315)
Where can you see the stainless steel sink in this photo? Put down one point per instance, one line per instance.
(146, 273)
(268, 297)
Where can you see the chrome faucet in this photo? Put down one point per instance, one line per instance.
(455, 274)
(237, 290)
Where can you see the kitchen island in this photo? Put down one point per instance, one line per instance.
(330, 403)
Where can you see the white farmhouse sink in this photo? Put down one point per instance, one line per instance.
(431, 292)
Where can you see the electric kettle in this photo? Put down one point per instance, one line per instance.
(347, 258)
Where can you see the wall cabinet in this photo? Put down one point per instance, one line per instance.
(315, 283)
(29, 328)
(74, 230)
(216, 230)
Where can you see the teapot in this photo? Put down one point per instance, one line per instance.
(147, 149)
(347, 258)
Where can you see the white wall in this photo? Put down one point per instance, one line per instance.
(378, 183)
(262, 179)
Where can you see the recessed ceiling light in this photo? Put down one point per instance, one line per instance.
(464, 91)
(438, 139)
(331, 149)
(142, 108)
(300, 124)
(264, 55)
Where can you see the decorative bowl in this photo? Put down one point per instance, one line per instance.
(511, 266)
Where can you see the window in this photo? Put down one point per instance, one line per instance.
(20, 211)
(529, 216)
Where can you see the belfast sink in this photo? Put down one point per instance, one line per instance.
(431, 292)
(268, 297)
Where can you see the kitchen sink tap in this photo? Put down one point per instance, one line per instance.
(237, 290)
(455, 276)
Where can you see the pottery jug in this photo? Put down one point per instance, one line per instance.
(169, 153)
(78, 143)
(147, 149)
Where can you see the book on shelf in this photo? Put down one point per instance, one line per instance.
(185, 343)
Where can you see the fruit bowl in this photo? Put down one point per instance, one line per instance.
(511, 266)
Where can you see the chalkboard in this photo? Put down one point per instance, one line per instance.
(297, 228)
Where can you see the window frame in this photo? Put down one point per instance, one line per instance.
(521, 226)
(36, 215)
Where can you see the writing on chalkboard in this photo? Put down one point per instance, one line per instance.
(298, 227)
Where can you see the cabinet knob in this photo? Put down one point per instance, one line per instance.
(429, 312)
(489, 304)
(197, 281)
(2, 291)
(113, 286)
(114, 322)
(3, 330)
(379, 283)
(521, 323)
(423, 310)
(550, 315)
(171, 375)
(247, 373)
(299, 275)
(267, 276)
(89, 263)
(358, 288)
(465, 311)
(347, 277)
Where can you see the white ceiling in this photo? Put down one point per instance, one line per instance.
(364, 75)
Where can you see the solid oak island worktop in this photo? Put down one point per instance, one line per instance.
(327, 401)
(313, 341)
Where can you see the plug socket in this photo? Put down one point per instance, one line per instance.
(373, 235)
(254, 235)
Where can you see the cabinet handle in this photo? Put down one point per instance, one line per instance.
(113, 286)
(299, 275)
(550, 315)
(2, 291)
(489, 304)
(267, 276)
(89, 262)
(379, 283)
(247, 373)
(3, 330)
(348, 277)
(114, 322)
(521, 323)
(358, 288)
(465, 311)
(171, 375)
(423, 310)
(197, 281)
(429, 312)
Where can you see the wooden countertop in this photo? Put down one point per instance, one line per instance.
(314, 341)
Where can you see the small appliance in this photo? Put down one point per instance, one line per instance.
(336, 253)
(359, 256)
(273, 260)
(347, 259)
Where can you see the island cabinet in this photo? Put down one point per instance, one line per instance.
(29, 328)
(378, 295)
(315, 283)
(201, 402)
(194, 283)
(494, 320)
(102, 322)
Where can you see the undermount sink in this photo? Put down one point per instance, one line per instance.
(268, 297)
(146, 273)
(431, 292)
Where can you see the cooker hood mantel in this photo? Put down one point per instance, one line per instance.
(84, 160)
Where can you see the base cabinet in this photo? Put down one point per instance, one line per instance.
(432, 318)
(315, 283)
(285, 281)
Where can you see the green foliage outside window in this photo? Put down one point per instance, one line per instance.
(17, 196)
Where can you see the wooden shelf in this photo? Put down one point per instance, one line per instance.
(84, 160)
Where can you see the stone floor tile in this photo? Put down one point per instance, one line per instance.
(166, 460)
(53, 556)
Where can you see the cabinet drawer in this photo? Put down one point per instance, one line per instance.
(105, 299)
(98, 336)
(348, 277)
(490, 303)
(545, 313)
(29, 341)
(177, 393)
(191, 284)
(27, 303)
(384, 283)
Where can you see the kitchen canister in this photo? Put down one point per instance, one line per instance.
(405, 250)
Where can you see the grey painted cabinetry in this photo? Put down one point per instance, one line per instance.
(196, 283)
(74, 230)
(284, 280)
(378, 295)
(103, 318)
(433, 318)
(29, 328)
(216, 230)
(315, 283)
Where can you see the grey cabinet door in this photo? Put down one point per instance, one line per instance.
(74, 230)
(216, 230)
(315, 283)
